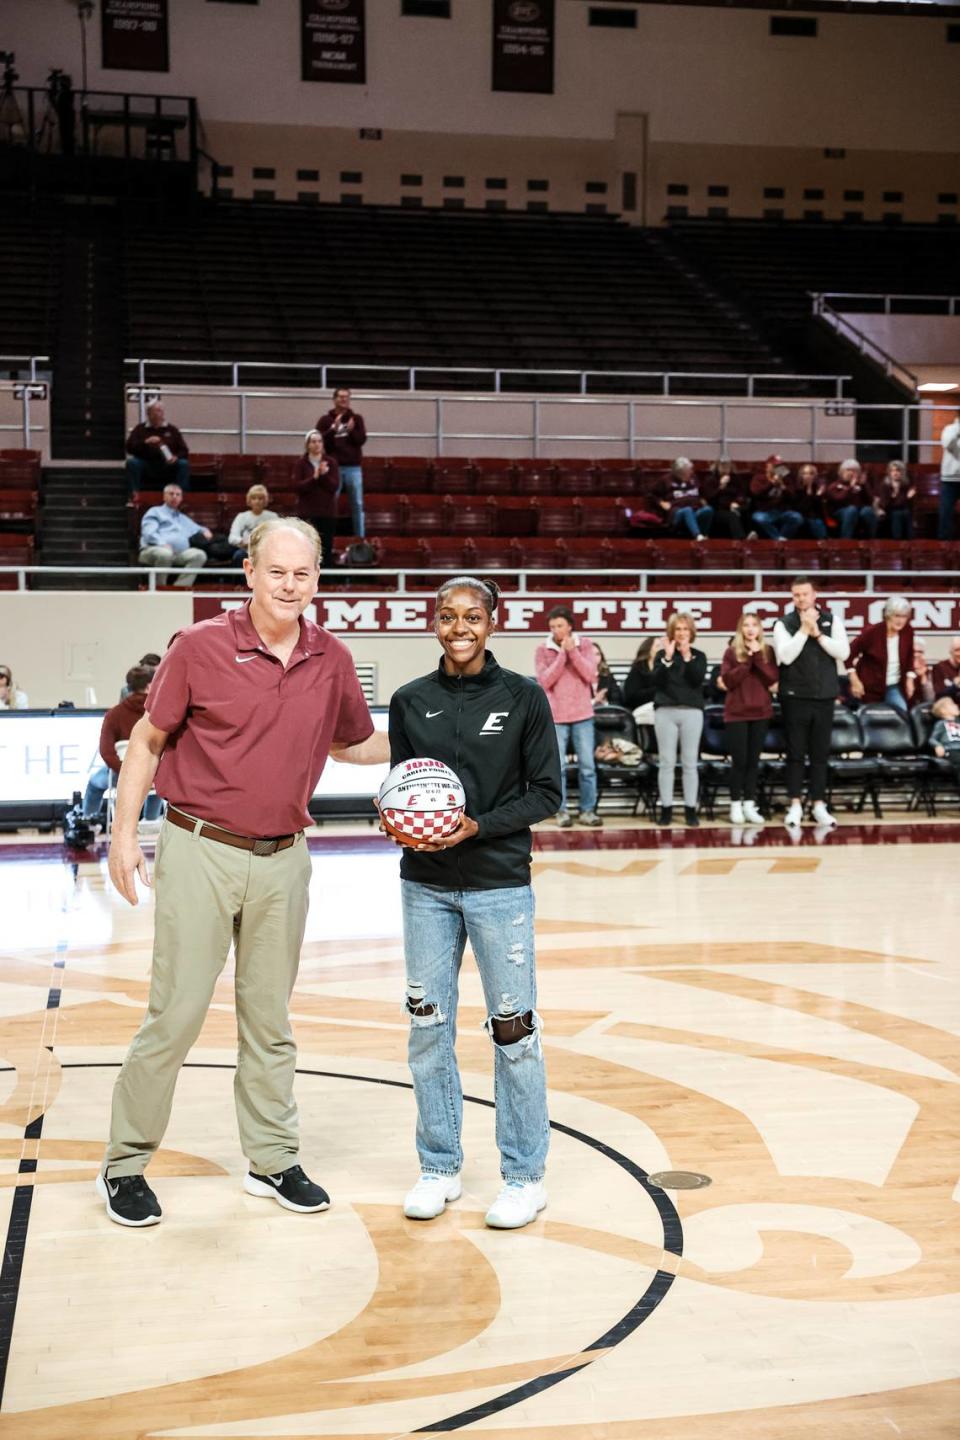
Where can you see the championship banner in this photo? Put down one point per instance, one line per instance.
(371, 613)
(333, 41)
(523, 45)
(134, 35)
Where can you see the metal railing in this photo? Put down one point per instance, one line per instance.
(753, 581)
(24, 392)
(881, 304)
(638, 440)
(31, 363)
(891, 367)
(424, 377)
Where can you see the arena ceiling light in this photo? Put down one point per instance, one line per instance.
(937, 387)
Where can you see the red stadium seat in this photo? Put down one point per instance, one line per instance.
(428, 514)
(276, 471)
(491, 552)
(239, 472)
(496, 482)
(600, 515)
(582, 554)
(471, 514)
(385, 514)
(205, 471)
(534, 482)
(395, 550)
(632, 555)
(18, 505)
(571, 479)
(514, 515)
(544, 560)
(556, 517)
(408, 475)
(15, 550)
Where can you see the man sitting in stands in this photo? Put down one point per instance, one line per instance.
(774, 515)
(850, 503)
(165, 536)
(156, 454)
(244, 524)
(946, 673)
(680, 501)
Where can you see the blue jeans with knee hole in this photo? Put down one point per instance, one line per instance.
(499, 925)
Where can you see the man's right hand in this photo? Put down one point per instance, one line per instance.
(153, 440)
(127, 860)
(856, 686)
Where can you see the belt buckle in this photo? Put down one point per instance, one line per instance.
(266, 847)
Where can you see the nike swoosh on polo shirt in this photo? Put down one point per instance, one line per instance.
(244, 659)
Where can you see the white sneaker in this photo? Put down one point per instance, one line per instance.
(736, 812)
(822, 815)
(430, 1194)
(518, 1203)
(794, 815)
(751, 814)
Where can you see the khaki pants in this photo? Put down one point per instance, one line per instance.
(204, 892)
(189, 561)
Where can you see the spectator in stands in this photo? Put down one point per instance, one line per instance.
(244, 524)
(807, 500)
(11, 696)
(345, 435)
(893, 501)
(567, 668)
(920, 689)
(150, 659)
(608, 691)
(946, 673)
(640, 687)
(774, 515)
(678, 672)
(165, 536)
(724, 494)
(881, 657)
(317, 478)
(949, 478)
(749, 673)
(808, 642)
(945, 735)
(156, 454)
(117, 725)
(849, 502)
(680, 501)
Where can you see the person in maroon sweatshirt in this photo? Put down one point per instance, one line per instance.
(117, 725)
(749, 673)
(344, 435)
(156, 454)
(317, 479)
(880, 663)
(807, 500)
(723, 491)
(893, 500)
(775, 517)
(849, 502)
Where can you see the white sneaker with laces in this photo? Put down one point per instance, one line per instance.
(429, 1196)
(751, 814)
(794, 815)
(518, 1203)
(822, 815)
(736, 812)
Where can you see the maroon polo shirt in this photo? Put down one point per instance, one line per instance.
(248, 738)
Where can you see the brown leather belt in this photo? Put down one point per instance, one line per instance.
(228, 837)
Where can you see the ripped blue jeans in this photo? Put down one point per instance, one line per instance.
(499, 925)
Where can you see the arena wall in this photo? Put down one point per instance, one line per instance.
(77, 646)
(879, 94)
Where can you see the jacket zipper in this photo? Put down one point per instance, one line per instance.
(457, 856)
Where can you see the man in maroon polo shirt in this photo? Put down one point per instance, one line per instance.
(242, 714)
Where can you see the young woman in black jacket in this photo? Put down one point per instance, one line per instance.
(678, 673)
(495, 731)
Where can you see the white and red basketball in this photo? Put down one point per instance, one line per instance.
(421, 801)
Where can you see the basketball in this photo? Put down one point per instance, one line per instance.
(421, 801)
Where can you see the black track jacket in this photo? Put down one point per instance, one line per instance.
(496, 732)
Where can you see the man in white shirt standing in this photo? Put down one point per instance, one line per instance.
(949, 477)
(808, 642)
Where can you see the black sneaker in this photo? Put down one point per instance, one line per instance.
(291, 1189)
(690, 815)
(129, 1200)
(666, 815)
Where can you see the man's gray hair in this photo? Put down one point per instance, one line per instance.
(267, 527)
(852, 464)
(681, 463)
(897, 605)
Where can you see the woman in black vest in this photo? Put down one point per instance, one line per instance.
(808, 642)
